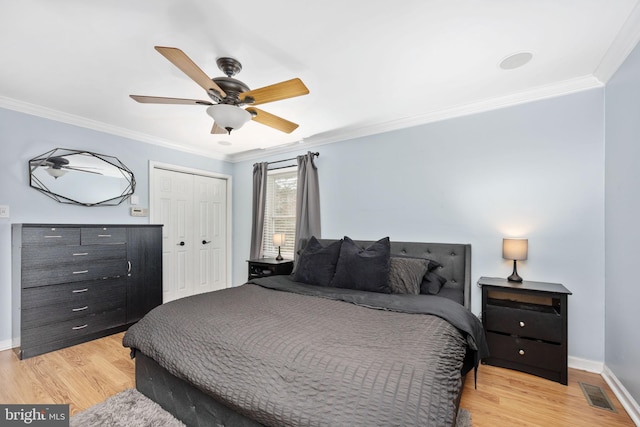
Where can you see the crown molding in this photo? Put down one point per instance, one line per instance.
(535, 94)
(539, 93)
(626, 40)
(59, 116)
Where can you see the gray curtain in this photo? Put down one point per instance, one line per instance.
(259, 200)
(307, 200)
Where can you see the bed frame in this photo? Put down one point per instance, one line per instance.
(196, 408)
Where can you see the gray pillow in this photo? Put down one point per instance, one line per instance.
(406, 274)
(317, 264)
(363, 269)
(432, 283)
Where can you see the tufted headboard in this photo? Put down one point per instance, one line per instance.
(455, 259)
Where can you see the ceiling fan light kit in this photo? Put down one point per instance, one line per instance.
(229, 95)
(228, 116)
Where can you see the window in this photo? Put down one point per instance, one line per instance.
(280, 211)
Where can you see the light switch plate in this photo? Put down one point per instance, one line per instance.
(4, 211)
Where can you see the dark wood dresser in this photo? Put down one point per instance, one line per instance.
(75, 283)
(526, 326)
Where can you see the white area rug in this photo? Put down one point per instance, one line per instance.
(129, 408)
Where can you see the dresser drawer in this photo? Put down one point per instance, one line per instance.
(103, 235)
(52, 256)
(69, 273)
(542, 325)
(72, 328)
(49, 304)
(525, 351)
(54, 236)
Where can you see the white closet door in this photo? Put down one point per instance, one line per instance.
(193, 210)
(210, 228)
(173, 206)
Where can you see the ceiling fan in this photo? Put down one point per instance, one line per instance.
(229, 95)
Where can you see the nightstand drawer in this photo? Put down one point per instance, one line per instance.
(540, 324)
(525, 351)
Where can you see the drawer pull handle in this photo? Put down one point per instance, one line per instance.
(521, 352)
(128, 266)
(75, 328)
(78, 291)
(81, 272)
(53, 237)
(80, 309)
(81, 254)
(521, 324)
(104, 235)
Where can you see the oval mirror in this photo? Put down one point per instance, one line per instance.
(81, 177)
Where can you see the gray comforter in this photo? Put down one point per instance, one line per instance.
(288, 354)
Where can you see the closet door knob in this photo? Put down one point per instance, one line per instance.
(204, 242)
(181, 244)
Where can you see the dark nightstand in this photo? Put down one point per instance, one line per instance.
(526, 326)
(269, 267)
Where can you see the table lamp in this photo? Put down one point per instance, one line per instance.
(278, 240)
(515, 249)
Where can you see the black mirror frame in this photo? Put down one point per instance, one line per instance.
(35, 183)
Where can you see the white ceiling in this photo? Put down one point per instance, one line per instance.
(370, 66)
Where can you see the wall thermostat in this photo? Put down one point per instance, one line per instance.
(139, 212)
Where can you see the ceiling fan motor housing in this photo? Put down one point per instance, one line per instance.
(233, 88)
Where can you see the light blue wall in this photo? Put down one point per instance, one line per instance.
(534, 170)
(622, 226)
(23, 137)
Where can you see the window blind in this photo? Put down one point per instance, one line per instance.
(280, 211)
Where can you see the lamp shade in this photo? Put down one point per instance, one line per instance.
(515, 249)
(229, 117)
(279, 239)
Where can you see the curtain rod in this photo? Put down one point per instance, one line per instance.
(288, 160)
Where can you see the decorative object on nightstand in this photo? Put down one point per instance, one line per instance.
(516, 250)
(279, 239)
(526, 326)
(263, 267)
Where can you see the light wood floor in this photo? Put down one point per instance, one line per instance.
(510, 398)
(86, 374)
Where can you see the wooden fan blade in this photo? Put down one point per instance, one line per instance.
(272, 120)
(187, 66)
(161, 100)
(217, 129)
(276, 92)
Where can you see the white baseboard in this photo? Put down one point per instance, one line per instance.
(6, 345)
(585, 365)
(621, 393)
(625, 398)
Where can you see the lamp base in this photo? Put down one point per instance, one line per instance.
(514, 276)
(279, 257)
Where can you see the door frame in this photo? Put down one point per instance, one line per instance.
(153, 165)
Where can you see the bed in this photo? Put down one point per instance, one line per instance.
(280, 352)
